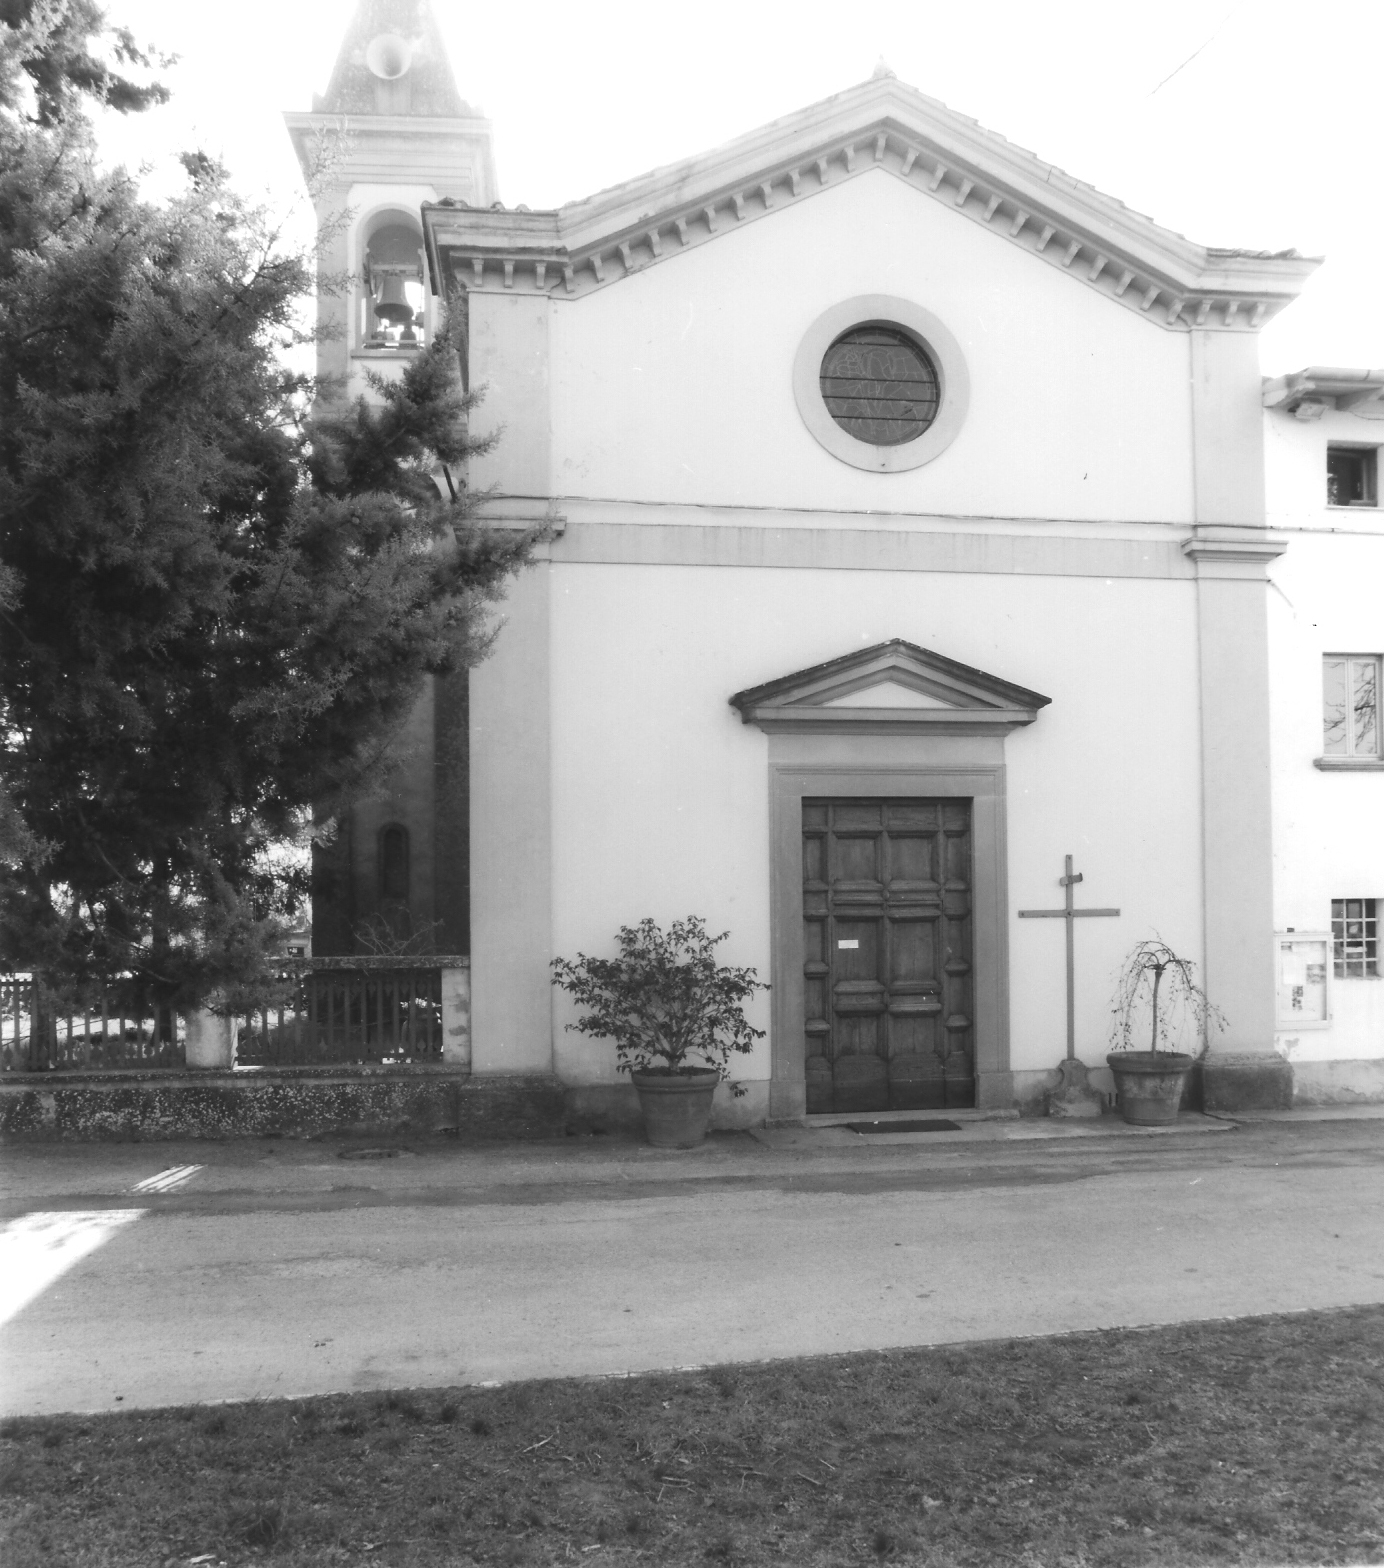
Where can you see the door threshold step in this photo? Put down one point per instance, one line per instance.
(842, 1118)
(919, 1124)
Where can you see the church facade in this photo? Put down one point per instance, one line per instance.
(919, 518)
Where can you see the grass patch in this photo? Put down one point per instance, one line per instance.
(1252, 1442)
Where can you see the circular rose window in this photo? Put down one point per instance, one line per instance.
(879, 385)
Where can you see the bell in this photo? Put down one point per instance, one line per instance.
(392, 306)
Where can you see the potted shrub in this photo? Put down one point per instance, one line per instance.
(1158, 1002)
(675, 1015)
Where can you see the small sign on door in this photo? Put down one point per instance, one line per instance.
(851, 941)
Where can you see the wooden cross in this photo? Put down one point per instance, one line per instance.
(1069, 914)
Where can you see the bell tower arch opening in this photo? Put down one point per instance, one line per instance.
(394, 309)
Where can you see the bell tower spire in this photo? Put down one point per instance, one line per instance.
(392, 61)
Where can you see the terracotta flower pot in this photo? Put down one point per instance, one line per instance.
(1149, 1085)
(676, 1106)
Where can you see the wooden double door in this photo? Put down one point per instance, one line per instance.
(887, 975)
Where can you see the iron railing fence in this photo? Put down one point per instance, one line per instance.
(318, 1012)
(109, 1025)
(336, 1011)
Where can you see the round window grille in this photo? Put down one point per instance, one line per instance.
(879, 385)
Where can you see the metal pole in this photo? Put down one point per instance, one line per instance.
(1069, 922)
(1071, 989)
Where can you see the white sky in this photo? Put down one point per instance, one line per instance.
(1268, 136)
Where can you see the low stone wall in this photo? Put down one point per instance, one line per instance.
(303, 1102)
(287, 1102)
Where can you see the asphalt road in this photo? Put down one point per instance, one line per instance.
(141, 1275)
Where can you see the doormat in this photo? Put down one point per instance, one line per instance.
(918, 1126)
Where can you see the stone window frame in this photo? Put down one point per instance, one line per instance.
(931, 335)
(1350, 760)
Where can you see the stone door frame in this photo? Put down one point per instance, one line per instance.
(816, 766)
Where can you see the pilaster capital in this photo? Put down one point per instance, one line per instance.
(1222, 550)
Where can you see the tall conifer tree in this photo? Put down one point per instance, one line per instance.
(214, 612)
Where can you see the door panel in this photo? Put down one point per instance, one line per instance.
(887, 948)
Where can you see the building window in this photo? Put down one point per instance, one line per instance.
(1350, 705)
(394, 864)
(1355, 938)
(879, 385)
(1351, 476)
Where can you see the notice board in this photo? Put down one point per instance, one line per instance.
(1302, 968)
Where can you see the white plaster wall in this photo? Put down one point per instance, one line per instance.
(1328, 597)
(661, 794)
(509, 371)
(1295, 468)
(675, 384)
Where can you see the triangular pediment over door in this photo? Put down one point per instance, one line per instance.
(894, 687)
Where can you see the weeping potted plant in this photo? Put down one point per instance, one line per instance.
(1159, 1004)
(675, 1015)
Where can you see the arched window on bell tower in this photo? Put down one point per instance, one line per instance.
(394, 303)
(394, 870)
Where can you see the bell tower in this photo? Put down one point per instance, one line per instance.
(390, 133)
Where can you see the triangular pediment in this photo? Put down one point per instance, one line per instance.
(881, 125)
(888, 694)
(895, 686)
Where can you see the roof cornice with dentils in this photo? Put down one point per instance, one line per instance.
(881, 124)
